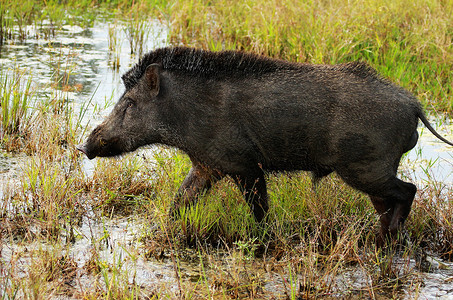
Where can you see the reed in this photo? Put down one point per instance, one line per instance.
(114, 47)
(16, 99)
(137, 32)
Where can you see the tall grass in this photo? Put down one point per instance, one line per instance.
(114, 47)
(137, 32)
(409, 42)
(16, 99)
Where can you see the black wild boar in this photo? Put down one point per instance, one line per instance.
(240, 115)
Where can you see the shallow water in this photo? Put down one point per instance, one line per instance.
(83, 59)
(80, 57)
(431, 159)
(116, 243)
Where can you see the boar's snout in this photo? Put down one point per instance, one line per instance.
(84, 149)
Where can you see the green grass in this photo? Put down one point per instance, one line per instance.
(16, 98)
(315, 235)
(409, 42)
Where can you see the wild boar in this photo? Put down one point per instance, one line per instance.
(241, 114)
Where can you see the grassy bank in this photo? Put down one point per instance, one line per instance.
(59, 226)
(409, 42)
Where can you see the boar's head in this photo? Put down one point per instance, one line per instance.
(132, 122)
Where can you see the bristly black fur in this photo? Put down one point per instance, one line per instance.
(360, 69)
(209, 64)
(203, 63)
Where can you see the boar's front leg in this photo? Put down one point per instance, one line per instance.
(198, 181)
(255, 193)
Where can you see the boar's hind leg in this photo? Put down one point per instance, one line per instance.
(385, 211)
(198, 181)
(393, 202)
(255, 193)
(318, 174)
(392, 198)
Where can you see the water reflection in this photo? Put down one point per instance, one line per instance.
(77, 62)
(431, 160)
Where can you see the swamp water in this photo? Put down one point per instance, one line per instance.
(90, 63)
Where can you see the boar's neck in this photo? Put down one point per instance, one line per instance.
(192, 110)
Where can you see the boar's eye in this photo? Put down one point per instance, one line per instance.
(130, 103)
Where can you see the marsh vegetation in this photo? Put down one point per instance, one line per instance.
(71, 228)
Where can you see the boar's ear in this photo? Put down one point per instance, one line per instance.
(152, 77)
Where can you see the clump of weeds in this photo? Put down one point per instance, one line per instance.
(114, 47)
(137, 32)
(120, 186)
(16, 99)
(430, 221)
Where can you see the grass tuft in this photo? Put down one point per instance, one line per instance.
(16, 98)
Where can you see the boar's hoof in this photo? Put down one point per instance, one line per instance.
(399, 239)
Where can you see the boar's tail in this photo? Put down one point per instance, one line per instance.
(422, 117)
